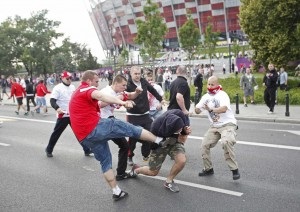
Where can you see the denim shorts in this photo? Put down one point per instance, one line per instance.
(40, 101)
(106, 130)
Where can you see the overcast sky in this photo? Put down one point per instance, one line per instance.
(73, 15)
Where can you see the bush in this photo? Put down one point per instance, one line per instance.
(232, 87)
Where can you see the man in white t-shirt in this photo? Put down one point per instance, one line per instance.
(117, 89)
(223, 126)
(59, 100)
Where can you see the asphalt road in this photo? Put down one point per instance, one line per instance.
(268, 156)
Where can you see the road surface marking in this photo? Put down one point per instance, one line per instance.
(219, 190)
(191, 137)
(258, 144)
(27, 119)
(3, 144)
(296, 132)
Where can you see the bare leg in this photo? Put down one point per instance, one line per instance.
(110, 178)
(180, 160)
(147, 136)
(146, 171)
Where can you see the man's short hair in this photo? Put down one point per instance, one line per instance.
(88, 75)
(119, 78)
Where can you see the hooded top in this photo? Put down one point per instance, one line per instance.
(169, 123)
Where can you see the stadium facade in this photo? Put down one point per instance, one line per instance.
(115, 20)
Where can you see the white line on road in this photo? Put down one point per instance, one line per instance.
(219, 190)
(259, 144)
(191, 137)
(3, 144)
(27, 119)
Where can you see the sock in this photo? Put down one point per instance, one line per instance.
(116, 190)
(158, 139)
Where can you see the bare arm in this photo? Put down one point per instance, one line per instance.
(110, 99)
(133, 95)
(180, 101)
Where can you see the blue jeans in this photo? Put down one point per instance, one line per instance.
(106, 130)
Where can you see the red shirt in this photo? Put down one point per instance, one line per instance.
(17, 90)
(84, 111)
(41, 90)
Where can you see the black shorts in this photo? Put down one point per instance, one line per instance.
(20, 100)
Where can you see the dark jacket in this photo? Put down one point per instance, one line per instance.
(198, 81)
(271, 80)
(169, 123)
(141, 101)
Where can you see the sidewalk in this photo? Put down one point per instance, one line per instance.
(251, 113)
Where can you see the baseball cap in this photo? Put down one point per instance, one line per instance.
(65, 74)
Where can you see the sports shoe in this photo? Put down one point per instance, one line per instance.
(120, 196)
(270, 112)
(88, 153)
(121, 176)
(206, 172)
(245, 105)
(253, 103)
(132, 173)
(130, 162)
(49, 154)
(17, 112)
(26, 113)
(171, 186)
(235, 174)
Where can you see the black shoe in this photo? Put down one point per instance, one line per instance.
(88, 153)
(125, 176)
(206, 172)
(120, 196)
(49, 154)
(235, 174)
(245, 105)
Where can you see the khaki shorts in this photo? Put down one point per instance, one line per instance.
(158, 156)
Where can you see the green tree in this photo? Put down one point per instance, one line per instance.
(32, 44)
(151, 32)
(189, 36)
(211, 39)
(89, 63)
(272, 27)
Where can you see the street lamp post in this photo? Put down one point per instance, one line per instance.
(229, 56)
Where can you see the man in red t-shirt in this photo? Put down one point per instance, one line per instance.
(19, 92)
(94, 132)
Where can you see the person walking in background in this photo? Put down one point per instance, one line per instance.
(247, 83)
(223, 126)
(154, 104)
(30, 94)
(270, 83)
(174, 127)
(198, 83)
(117, 89)
(4, 85)
(167, 76)
(139, 114)
(92, 131)
(41, 92)
(159, 77)
(283, 79)
(59, 100)
(180, 97)
(19, 92)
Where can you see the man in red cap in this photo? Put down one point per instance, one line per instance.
(59, 100)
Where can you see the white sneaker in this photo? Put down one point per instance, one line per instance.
(270, 112)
